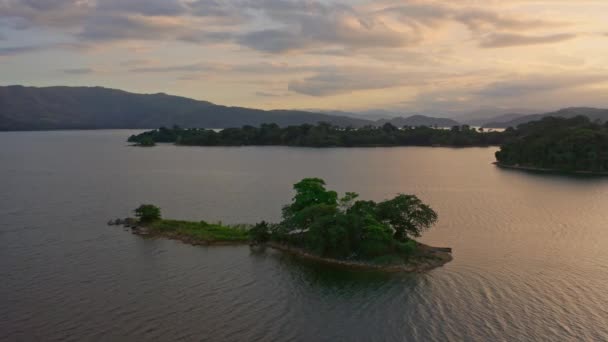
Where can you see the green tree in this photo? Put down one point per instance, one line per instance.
(147, 213)
(309, 192)
(407, 215)
(260, 233)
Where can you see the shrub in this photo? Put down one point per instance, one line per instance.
(147, 213)
(260, 233)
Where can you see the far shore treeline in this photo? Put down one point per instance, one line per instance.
(553, 143)
(322, 135)
(558, 144)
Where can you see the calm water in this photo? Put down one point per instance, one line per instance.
(531, 252)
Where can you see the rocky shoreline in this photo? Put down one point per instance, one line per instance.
(425, 259)
(555, 171)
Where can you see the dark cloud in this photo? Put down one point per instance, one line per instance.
(45, 5)
(276, 41)
(16, 50)
(311, 24)
(58, 14)
(500, 40)
(273, 26)
(144, 7)
(434, 14)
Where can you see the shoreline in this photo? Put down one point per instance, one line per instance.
(426, 258)
(545, 170)
(430, 258)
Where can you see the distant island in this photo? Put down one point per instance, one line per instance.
(319, 225)
(322, 135)
(552, 144)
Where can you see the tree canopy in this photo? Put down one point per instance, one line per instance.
(147, 213)
(324, 135)
(574, 144)
(344, 227)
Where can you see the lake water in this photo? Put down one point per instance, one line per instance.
(530, 251)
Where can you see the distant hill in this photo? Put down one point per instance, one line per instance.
(33, 108)
(419, 120)
(495, 119)
(592, 113)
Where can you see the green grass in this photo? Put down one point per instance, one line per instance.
(202, 230)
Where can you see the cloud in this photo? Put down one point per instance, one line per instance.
(313, 24)
(342, 80)
(275, 26)
(501, 40)
(56, 14)
(16, 50)
(134, 63)
(264, 68)
(175, 68)
(530, 84)
(143, 7)
(78, 71)
(266, 94)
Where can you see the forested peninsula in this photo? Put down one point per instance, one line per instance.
(574, 145)
(322, 135)
(555, 144)
(320, 225)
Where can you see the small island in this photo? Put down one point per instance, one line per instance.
(320, 225)
(323, 135)
(564, 145)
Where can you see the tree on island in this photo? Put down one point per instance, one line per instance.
(319, 221)
(147, 213)
(560, 144)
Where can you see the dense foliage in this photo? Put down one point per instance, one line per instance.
(344, 227)
(324, 135)
(147, 213)
(574, 144)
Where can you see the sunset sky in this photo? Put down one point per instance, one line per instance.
(413, 56)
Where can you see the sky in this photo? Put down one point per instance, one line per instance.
(420, 56)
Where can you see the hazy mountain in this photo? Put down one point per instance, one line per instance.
(495, 119)
(32, 108)
(487, 114)
(591, 113)
(419, 120)
(372, 115)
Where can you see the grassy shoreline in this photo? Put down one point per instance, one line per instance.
(195, 233)
(201, 233)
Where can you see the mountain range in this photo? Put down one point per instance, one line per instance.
(49, 108)
(513, 120)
